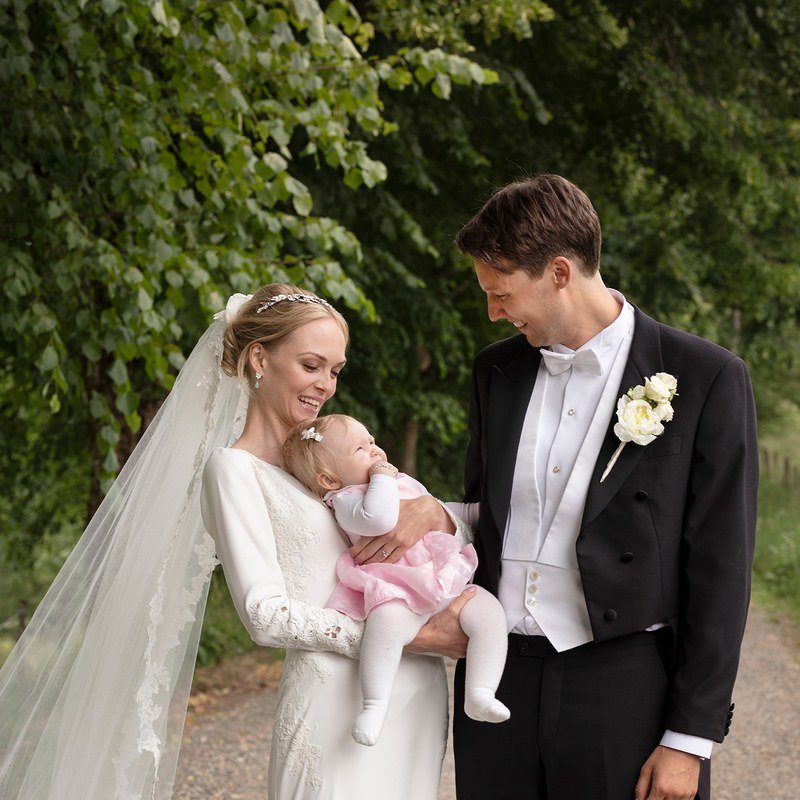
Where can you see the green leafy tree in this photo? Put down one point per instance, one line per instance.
(150, 165)
(155, 158)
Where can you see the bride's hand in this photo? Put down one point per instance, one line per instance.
(417, 517)
(442, 633)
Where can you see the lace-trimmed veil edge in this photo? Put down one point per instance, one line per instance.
(93, 696)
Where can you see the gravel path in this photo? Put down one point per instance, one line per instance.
(224, 755)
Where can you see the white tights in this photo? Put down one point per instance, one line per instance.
(392, 625)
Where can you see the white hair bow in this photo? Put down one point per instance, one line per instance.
(311, 433)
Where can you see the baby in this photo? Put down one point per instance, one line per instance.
(337, 459)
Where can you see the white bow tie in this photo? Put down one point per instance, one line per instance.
(585, 360)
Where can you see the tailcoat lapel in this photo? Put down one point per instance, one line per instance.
(509, 394)
(644, 360)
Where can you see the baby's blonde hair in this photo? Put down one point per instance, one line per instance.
(307, 459)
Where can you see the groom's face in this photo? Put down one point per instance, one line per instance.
(531, 305)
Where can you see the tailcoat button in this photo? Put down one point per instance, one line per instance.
(641, 495)
(610, 614)
(626, 558)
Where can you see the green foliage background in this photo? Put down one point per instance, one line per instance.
(157, 156)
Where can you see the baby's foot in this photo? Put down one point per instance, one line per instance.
(368, 724)
(483, 706)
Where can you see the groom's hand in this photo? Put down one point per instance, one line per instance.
(668, 775)
(442, 634)
(417, 517)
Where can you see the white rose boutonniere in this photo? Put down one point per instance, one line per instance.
(642, 412)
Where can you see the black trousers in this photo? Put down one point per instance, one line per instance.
(583, 722)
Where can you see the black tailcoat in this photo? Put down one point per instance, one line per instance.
(668, 536)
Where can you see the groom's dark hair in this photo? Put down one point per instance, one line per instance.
(526, 224)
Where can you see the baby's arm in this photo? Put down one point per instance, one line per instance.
(373, 513)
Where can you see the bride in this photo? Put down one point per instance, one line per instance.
(93, 697)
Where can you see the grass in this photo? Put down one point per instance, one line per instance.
(776, 568)
(781, 434)
(223, 634)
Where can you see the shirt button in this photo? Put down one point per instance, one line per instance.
(533, 589)
(571, 412)
(530, 601)
(556, 469)
(533, 574)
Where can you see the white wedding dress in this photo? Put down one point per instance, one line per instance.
(278, 545)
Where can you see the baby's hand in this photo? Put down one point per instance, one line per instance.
(383, 468)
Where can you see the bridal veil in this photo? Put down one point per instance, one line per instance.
(93, 696)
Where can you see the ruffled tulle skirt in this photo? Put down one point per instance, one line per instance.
(435, 570)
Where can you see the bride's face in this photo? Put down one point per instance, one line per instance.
(300, 373)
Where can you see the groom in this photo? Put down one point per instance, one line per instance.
(625, 595)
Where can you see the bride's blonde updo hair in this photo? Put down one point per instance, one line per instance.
(272, 324)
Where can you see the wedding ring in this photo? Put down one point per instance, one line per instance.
(384, 553)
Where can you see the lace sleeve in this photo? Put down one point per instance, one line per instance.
(297, 625)
(464, 516)
(234, 512)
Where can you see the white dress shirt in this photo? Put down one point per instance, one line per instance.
(540, 582)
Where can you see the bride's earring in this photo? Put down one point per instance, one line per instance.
(257, 384)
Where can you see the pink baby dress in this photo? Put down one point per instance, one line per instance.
(429, 574)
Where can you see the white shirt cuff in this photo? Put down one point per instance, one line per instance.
(466, 511)
(695, 745)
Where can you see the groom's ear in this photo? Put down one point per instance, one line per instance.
(562, 270)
